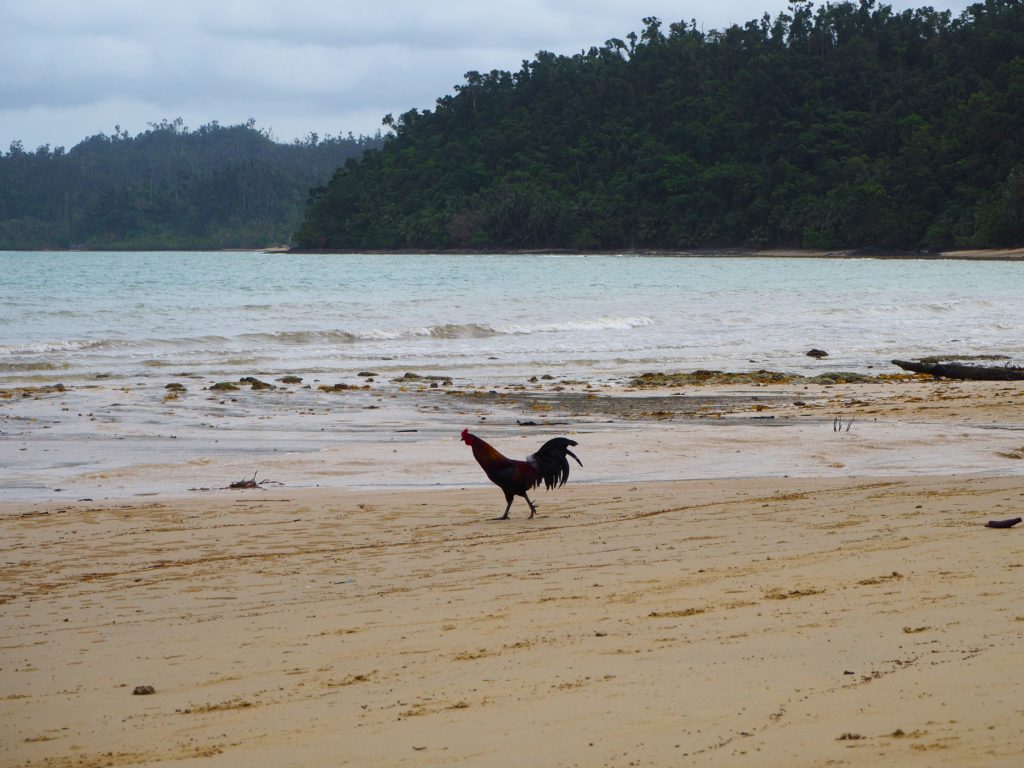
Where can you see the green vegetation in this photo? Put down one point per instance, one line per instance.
(846, 125)
(168, 187)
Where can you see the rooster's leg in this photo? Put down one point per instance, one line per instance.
(533, 509)
(507, 508)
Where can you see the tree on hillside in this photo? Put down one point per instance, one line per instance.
(168, 187)
(836, 125)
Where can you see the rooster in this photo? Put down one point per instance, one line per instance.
(549, 465)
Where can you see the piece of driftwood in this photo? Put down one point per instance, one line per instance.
(837, 424)
(249, 483)
(961, 371)
(1003, 523)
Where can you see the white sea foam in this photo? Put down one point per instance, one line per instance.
(597, 324)
(46, 347)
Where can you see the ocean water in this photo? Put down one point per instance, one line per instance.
(489, 319)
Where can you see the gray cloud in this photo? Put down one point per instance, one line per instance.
(73, 69)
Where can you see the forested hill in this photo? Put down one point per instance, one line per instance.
(843, 125)
(168, 187)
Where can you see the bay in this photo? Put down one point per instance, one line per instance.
(490, 318)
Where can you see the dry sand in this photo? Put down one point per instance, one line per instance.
(763, 621)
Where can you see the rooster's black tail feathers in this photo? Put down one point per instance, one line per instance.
(551, 461)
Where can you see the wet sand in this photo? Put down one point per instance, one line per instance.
(115, 441)
(856, 612)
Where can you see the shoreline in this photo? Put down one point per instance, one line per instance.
(993, 254)
(76, 443)
(979, 254)
(811, 620)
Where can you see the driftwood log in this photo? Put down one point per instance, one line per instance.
(1002, 523)
(961, 371)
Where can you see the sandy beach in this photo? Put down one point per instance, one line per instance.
(855, 612)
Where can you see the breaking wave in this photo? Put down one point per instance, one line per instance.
(483, 330)
(89, 345)
(908, 309)
(31, 367)
(447, 331)
(45, 347)
(326, 337)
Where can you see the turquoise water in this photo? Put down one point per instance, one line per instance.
(494, 318)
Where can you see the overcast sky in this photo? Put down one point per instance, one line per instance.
(74, 68)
